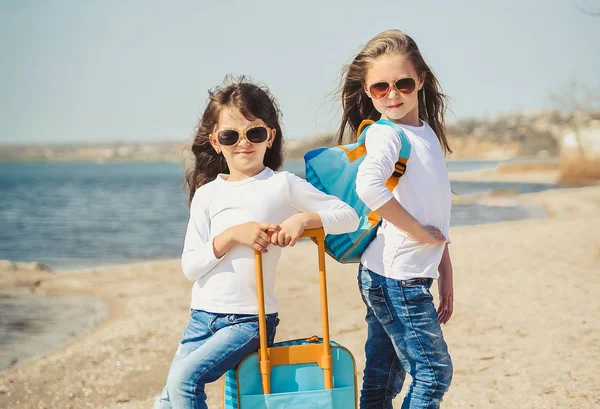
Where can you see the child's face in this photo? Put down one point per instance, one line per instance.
(396, 106)
(243, 157)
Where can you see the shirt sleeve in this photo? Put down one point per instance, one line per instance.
(337, 217)
(383, 149)
(198, 256)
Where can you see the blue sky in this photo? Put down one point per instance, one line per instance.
(136, 70)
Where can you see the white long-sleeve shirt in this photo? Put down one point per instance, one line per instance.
(424, 191)
(228, 284)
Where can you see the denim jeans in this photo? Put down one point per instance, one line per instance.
(211, 345)
(404, 335)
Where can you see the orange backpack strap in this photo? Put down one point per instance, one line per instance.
(363, 124)
(399, 170)
(357, 150)
(400, 167)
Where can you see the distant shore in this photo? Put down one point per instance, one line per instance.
(493, 175)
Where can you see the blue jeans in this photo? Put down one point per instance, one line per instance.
(211, 345)
(404, 335)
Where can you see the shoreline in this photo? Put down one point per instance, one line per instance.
(38, 325)
(475, 176)
(508, 310)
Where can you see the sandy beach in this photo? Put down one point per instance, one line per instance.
(525, 331)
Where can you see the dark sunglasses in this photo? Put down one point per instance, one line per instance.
(231, 136)
(381, 89)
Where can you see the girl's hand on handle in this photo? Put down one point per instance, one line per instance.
(254, 235)
(429, 235)
(290, 232)
(293, 227)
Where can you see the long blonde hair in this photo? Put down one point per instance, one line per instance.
(356, 104)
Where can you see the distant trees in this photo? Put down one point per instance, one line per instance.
(579, 103)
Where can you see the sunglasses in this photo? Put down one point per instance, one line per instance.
(403, 85)
(231, 136)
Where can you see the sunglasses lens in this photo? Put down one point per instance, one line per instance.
(379, 89)
(405, 85)
(228, 137)
(257, 135)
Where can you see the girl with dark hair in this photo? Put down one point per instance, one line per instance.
(389, 79)
(236, 197)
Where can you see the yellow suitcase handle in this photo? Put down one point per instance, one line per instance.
(265, 364)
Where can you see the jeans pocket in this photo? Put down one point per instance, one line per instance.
(375, 299)
(417, 294)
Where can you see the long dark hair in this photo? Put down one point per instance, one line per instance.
(356, 104)
(254, 102)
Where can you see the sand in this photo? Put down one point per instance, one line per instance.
(525, 332)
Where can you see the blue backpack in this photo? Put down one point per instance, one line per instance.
(333, 171)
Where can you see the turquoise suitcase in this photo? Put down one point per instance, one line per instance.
(313, 373)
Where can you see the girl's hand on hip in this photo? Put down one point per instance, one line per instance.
(290, 232)
(254, 234)
(429, 235)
